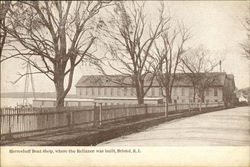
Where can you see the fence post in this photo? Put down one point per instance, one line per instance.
(72, 118)
(175, 105)
(126, 109)
(96, 118)
(146, 109)
(100, 114)
(9, 123)
(68, 118)
(47, 120)
(189, 109)
(9, 135)
(200, 106)
(166, 109)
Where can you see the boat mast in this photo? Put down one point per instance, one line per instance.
(29, 76)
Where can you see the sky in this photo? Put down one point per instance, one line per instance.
(216, 25)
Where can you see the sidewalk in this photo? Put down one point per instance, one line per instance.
(229, 127)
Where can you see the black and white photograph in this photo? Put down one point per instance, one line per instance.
(121, 74)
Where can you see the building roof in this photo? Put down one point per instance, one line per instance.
(121, 81)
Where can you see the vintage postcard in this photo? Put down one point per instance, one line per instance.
(125, 83)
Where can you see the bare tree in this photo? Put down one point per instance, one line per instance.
(246, 44)
(130, 39)
(169, 50)
(4, 8)
(198, 65)
(54, 37)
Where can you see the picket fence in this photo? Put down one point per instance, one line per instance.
(23, 122)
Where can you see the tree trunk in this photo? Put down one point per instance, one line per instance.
(194, 95)
(59, 84)
(201, 95)
(202, 98)
(139, 93)
(140, 100)
(168, 96)
(3, 33)
(168, 91)
(166, 107)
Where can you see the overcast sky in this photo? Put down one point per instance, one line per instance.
(216, 25)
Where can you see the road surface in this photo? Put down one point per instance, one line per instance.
(230, 127)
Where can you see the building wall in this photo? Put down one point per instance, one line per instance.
(229, 95)
(52, 103)
(210, 95)
(91, 92)
(179, 94)
(124, 101)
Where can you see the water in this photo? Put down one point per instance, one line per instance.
(12, 102)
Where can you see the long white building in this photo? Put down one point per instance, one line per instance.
(93, 86)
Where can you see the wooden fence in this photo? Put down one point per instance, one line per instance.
(17, 122)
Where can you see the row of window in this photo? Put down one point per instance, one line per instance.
(191, 91)
(215, 92)
(191, 100)
(131, 91)
(105, 91)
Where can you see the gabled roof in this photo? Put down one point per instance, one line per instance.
(102, 80)
(217, 78)
(120, 80)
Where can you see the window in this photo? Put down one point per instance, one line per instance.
(132, 91)
(99, 91)
(86, 89)
(190, 92)
(183, 100)
(174, 91)
(182, 91)
(118, 91)
(207, 92)
(215, 92)
(111, 92)
(152, 91)
(92, 91)
(207, 101)
(125, 91)
(160, 92)
(105, 91)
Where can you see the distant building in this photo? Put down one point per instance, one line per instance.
(100, 86)
(243, 95)
(242, 98)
